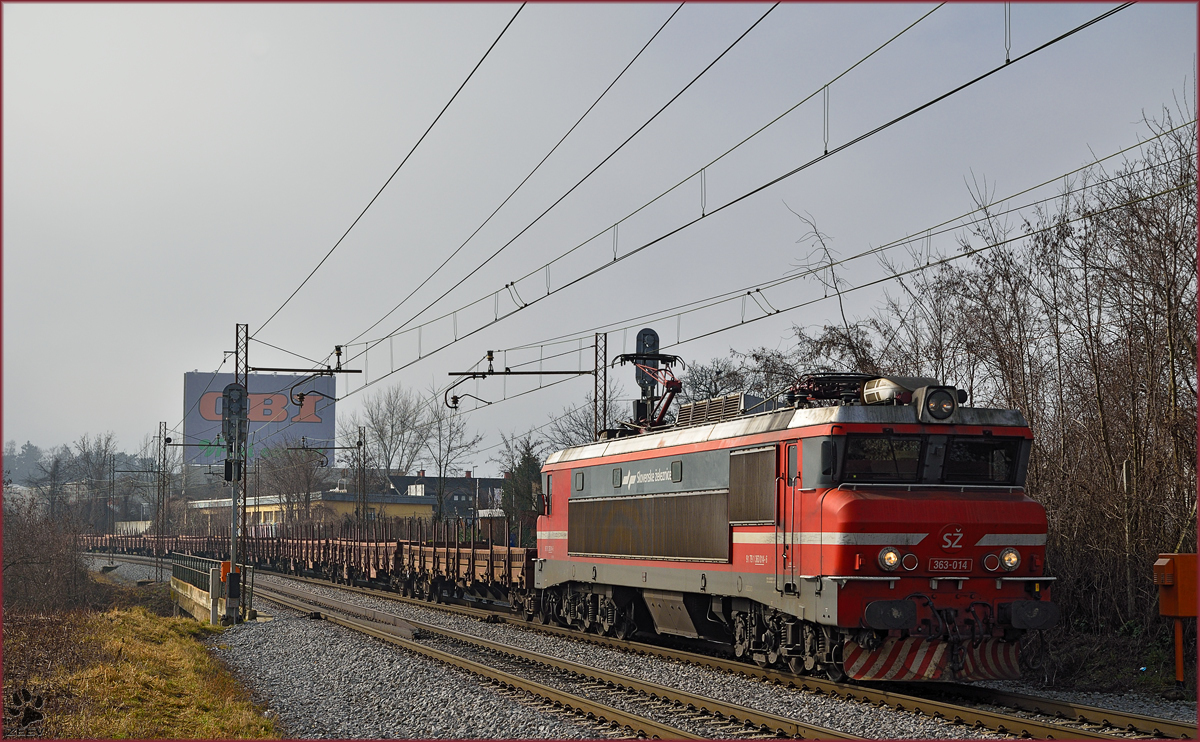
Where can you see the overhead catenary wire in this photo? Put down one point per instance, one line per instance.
(580, 182)
(588, 274)
(525, 179)
(510, 287)
(685, 180)
(394, 172)
(967, 253)
(938, 229)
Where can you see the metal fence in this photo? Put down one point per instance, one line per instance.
(195, 571)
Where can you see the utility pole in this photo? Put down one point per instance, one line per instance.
(600, 395)
(235, 404)
(164, 486)
(361, 498)
(112, 502)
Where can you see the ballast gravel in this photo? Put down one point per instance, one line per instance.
(1130, 703)
(850, 716)
(323, 681)
(127, 572)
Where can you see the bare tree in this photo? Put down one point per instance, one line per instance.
(520, 458)
(51, 479)
(91, 465)
(574, 426)
(718, 377)
(294, 474)
(448, 445)
(396, 428)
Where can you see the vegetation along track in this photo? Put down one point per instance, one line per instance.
(1056, 719)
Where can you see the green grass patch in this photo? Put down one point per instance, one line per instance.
(127, 673)
(1109, 663)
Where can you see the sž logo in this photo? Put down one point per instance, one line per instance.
(952, 537)
(264, 408)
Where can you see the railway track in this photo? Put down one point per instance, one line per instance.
(1050, 718)
(1054, 720)
(610, 695)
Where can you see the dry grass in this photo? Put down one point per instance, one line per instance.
(127, 673)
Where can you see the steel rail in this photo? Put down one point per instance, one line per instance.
(1126, 720)
(636, 724)
(976, 717)
(1076, 713)
(753, 720)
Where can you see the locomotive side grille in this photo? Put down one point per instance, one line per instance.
(713, 410)
(752, 485)
(673, 527)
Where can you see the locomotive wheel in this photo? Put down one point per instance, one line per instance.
(624, 628)
(741, 643)
(834, 670)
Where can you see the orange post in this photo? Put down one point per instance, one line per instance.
(1175, 576)
(1179, 652)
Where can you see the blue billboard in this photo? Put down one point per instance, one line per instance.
(278, 416)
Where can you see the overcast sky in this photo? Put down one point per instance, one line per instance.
(172, 170)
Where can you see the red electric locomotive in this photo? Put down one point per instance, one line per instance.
(884, 536)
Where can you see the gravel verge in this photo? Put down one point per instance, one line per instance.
(1132, 703)
(126, 572)
(324, 681)
(850, 716)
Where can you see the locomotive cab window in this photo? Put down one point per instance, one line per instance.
(882, 458)
(986, 460)
(579, 481)
(546, 496)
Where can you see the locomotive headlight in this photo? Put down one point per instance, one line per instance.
(889, 558)
(940, 404)
(1010, 559)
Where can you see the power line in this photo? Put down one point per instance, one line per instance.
(522, 183)
(901, 274)
(971, 252)
(939, 229)
(580, 182)
(394, 172)
(715, 160)
(550, 292)
(746, 139)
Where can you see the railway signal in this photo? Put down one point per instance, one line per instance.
(235, 416)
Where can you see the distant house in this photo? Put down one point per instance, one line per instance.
(329, 506)
(461, 492)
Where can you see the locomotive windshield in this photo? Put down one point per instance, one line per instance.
(911, 459)
(981, 460)
(882, 458)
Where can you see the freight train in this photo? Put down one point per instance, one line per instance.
(873, 528)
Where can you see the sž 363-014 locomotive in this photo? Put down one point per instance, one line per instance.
(883, 536)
